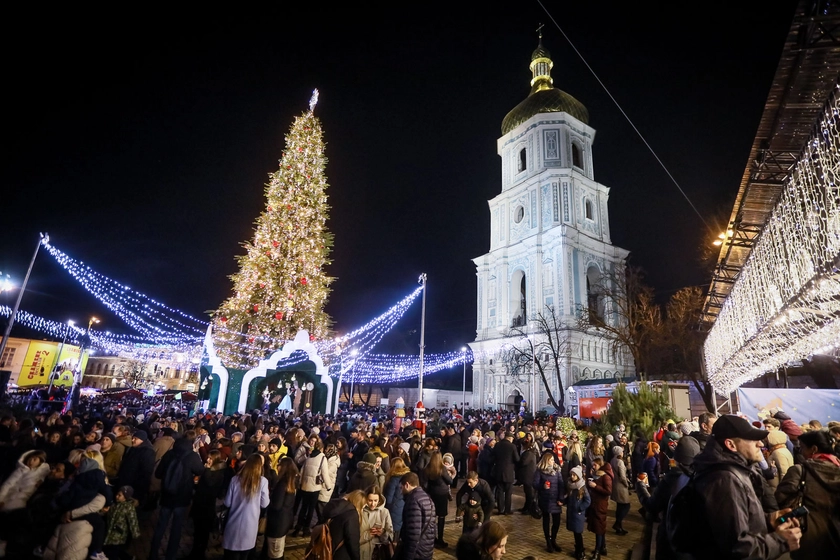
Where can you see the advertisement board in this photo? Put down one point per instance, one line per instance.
(38, 363)
(593, 406)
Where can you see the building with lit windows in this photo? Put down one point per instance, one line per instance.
(550, 248)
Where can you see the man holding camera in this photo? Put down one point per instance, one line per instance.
(738, 526)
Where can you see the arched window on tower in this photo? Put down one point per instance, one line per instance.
(523, 159)
(594, 295)
(518, 301)
(587, 209)
(577, 159)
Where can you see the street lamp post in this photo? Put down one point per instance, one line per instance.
(353, 353)
(45, 238)
(422, 281)
(77, 381)
(464, 386)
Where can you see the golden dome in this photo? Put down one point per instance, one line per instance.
(544, 97)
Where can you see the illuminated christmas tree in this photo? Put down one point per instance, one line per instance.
(281, 286)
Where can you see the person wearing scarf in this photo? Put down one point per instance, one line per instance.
(815, 484)
(577, 500)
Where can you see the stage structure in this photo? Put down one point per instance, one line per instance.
(304, 378)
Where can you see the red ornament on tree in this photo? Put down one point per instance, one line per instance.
(275, 243)
(270, 208)
(311, 338)
(251, 339)
(224, 319)
(303, 281)
(256, 308)
(262, 285)
(279, 315)
(288, 207)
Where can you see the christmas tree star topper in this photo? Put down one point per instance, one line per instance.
(313, 100)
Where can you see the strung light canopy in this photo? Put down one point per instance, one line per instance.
(785, 304)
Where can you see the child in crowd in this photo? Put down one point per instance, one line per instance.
(471, 511)
(449, 465)
(121, 521)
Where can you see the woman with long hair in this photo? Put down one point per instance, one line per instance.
(600, 487)
(393, 495)
(280, 514)
(435, 480)
(487, 543)
(345, 519)
(594, 447)
(343, 466)
(548, 483)
(650, 465)
(246, 495)
(376, 526)
(820, 494)
(330, 474)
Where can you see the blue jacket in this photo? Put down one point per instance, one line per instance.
(394, 501)
(576, 510)
(549, 487)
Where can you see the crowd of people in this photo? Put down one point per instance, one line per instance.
(82, 486)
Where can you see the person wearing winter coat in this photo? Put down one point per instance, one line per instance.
(821, 495)
(393, 495)
(162, 444)
(485, 462)
(620, 490)
(138, 466)
(177, 469)
(650, 466)
(779, 455)
(471, 512)
(376, 527)
(280, 513)
(577, 500)
(71, 540)
(330, 475)
(435, 480)
(121, 522)
(525, 471)
(31, 470)
(247, 494)
(417, 536)
(482, 487)
(687, 449)
(344, 518)
(112, 455)
(210, 488)
(548, 484)
(365, 475)
(88, 482)
(312, 480)
(600, 488)
(504, 457)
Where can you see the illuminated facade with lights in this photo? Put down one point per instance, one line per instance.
(549, 245)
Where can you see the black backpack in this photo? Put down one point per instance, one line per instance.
(686, 524)
(173, 478)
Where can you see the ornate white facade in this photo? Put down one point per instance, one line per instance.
(549, 244)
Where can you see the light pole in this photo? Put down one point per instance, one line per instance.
(70, 323)
(422, 281)
(45, 238)
(77, 381)
(353, 353)
(464, 387)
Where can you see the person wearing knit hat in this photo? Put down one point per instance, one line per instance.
(578, 501)
(779, 455)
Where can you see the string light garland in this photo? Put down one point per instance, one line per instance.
(785, 304)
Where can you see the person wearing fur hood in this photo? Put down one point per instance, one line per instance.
(31, 470)
(365, 475)
(376, 527)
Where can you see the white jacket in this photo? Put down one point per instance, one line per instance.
(313, 467)
(70, 541)
(22, 483)
(330, 474)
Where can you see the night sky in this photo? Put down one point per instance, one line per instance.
(142, 145)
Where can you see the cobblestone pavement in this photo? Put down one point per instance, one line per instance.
(526, 538)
